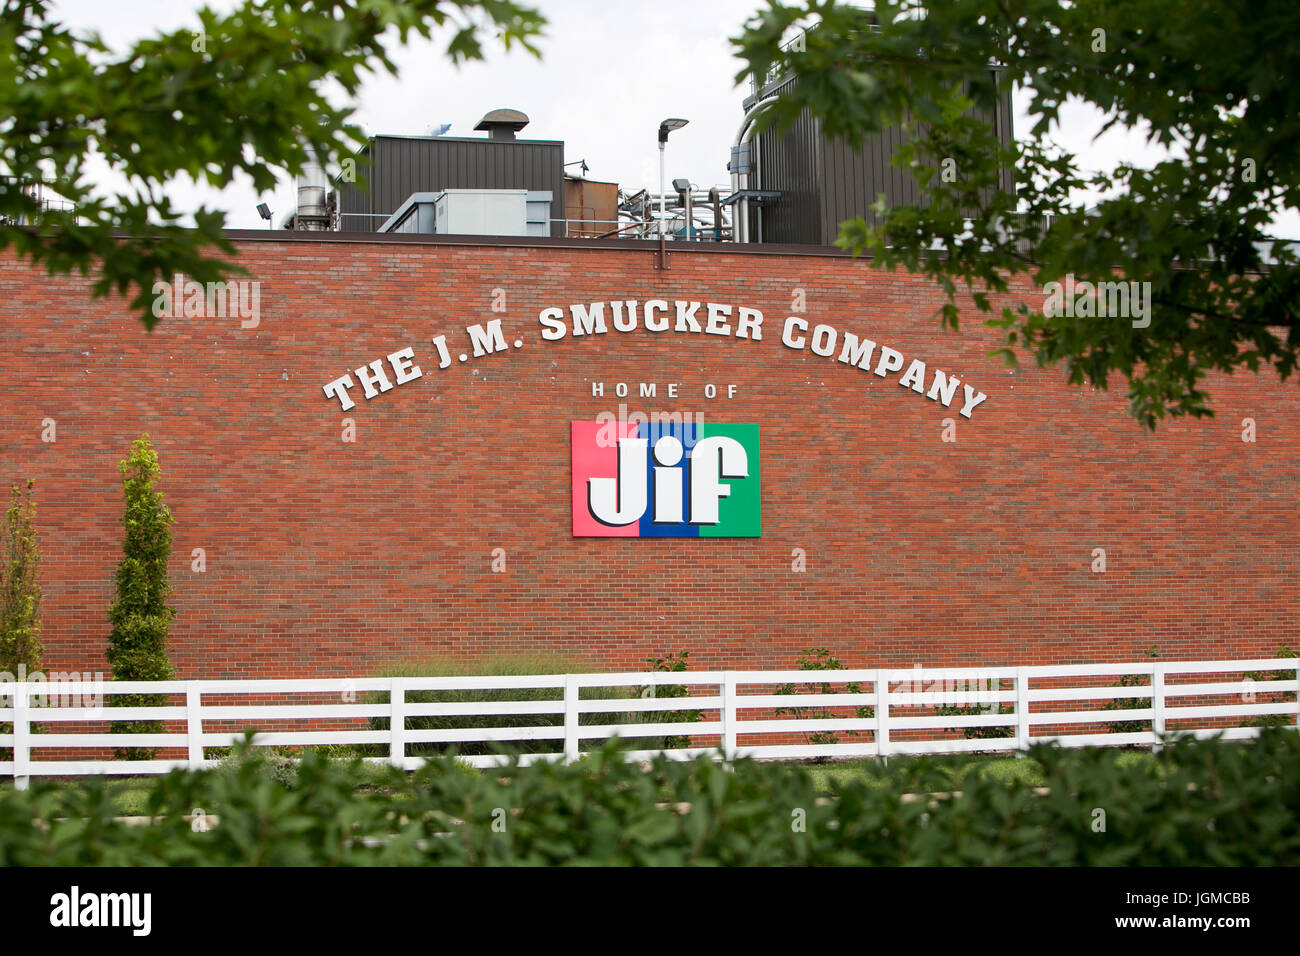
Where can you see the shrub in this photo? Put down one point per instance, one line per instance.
(1274, 720)
(996, 732)
(671, 663)
(137, 644)
(820, 659)
(20, 595)
(1194, 803)
(20, 589)
(1131, 703)
(980, 733)
(273, 763)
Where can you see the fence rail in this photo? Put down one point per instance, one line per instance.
(876, 712)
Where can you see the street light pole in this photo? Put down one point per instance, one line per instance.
(663, 196)
(666, 127)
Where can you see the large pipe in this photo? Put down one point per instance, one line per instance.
(313, 185)
(739, 181)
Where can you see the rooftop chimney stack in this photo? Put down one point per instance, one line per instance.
(313, 197)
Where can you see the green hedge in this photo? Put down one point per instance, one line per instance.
(1194, 803)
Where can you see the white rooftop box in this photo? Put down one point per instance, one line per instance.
(482, 212)
(474, 212)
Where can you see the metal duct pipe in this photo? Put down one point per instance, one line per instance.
(739, 181)
(313, 187)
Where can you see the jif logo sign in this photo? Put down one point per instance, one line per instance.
(672, 480)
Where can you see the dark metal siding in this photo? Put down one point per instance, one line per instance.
(1003, 126)
(395, 167)
(826, 181)
(854, 178)
(790, 164)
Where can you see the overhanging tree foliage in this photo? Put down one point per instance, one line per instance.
(1216, 84)
(140, 615)
(244, 92)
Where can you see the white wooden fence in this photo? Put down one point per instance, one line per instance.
(740, 712)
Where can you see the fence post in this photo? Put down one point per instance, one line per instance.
(21, 736)
(882, 714)
(728, 715)
(1022, 709)
(194, 725)
(570, 717)
(1157, 704)
(396, 724)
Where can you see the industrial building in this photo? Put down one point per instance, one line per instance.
(913, 502)
(803, 183)
(391, 169)
(393, 448)
(792, 187)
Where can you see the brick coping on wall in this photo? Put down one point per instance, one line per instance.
(541, 242)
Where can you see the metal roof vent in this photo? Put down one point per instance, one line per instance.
(502, 124)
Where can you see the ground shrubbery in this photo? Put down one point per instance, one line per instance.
(1193, 803)
(20, 596)
(1273, 720)
(821, 659)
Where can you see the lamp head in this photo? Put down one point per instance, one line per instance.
(668, 125)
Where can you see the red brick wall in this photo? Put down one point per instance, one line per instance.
(331, 558)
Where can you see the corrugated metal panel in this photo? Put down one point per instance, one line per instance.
(853, 178)
(789, 164)
(825, 181)
(396, 166)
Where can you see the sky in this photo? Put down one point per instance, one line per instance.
(610, 71)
